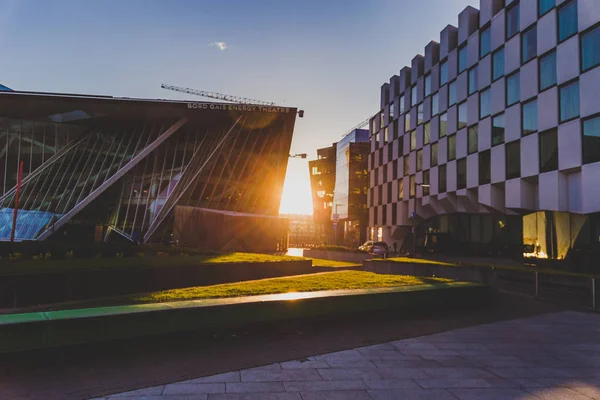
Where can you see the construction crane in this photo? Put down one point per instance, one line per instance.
(363, 123)
(217, 96)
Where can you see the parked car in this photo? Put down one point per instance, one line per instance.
(366, 246)
(380, 249)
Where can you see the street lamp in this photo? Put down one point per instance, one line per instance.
(301, 155)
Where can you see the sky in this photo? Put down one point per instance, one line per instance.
(327, 57)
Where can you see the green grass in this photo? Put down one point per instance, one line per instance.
(34, 267)
(419, 261)
(317, 262)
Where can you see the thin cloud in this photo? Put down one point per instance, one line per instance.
(221, 45)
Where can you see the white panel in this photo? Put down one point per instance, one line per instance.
(588, 13)
(485, 12)
(452, 64)
(498, 96)
(451, 176)
(498, 32)
(512, 54)
(473, 170)
(443, 96)
(462, 86)
(589, 92)
(553, 194)
(548, 109)
(567, 60)
(513, 193)
(530, 156)
(546, 37)
(569, 145)
(473, 49)
(529, 80)
(512, 123)
(461, 143)
(484, 72)
(498, 164)
(528, 11)
(484, 141)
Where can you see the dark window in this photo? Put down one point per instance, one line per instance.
(394, 213)
(400, 190)
(371, 196)
(513, 89)
(485, 42)
(461, 173)
(395, 129)
(443, 73)
(485, 167)
(498, 130)
(413, 96)
(462, 59)
(434, 154)
(530, 117)
(484, 103)
(400, 146)
(413, 140)
(435, 104)
(567, 20)
(385, 174)
(513, 159)
(442, 178)
(473, 134)
(380, 156)
(569, 101)
(451, 147)
(548, 71)
(512, 21)
(427, 133)
(443, 124)
(380, 193)
(545, 6)
(390, 153)
(426, 183)
(427, 85)
(590, 49)
(529, 44)
(452, 93)
(419, 160)
(384, 215)
(549, 150)
(498, 64)
(591, 140)
(395, 171)
(389, 192)
(472, 80)
(406, 165)
(462, 115)
(412, 187)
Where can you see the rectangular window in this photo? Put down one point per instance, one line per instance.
(407, 122)
(413, 140)
(513, 159)
(419, 160)
(462, 115)
(434, 154)
(567, 20)
(452, 93)
(569, 101)
(400, 147)
(384, 214)
(451, 147)
(406, 165)
(529, 117)
(394, 213)
(591, 140)
(420, 114)
(401, 104)
(435, 104)
(485, 42)
(485, 167)
(498, 64)
(427, 133)
(442, 178)
(512, 21)
(513, 89)
(473, 134)
(529, 44)
(395, 129)
(498, 130)
(484, 103)
(461, 173)
(386, 137)
(547, 72)
(462, 59)
(443, 73)
(390, 153)
(400, 189)
(389, 192)
(413, 96)
(413, 187)
(590, 49)
(395, 169)
(443, 124)
(427, 85)
(472, 80)
(385, 175)
(549, 150)
(545, 6)
(426, 183)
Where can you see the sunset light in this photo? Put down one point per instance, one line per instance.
(296, 197)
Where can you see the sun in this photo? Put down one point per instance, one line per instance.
(296, 197)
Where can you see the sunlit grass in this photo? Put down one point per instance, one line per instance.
(317, 262)
(419, 261)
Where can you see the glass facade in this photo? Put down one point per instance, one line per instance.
(484, 103)
(545, 6)
(461, 174)
(443, 124)
(513, 159)
(452, 93)
(569, 101)
(426, 133)
(413, 96)
(498, 64)
(485, 167)
(434, 154)
(547, 73)
(462, 115)
(567, 20)
(529, 44)
(530, 117)
(435, 104)
(512, 21)
(451, 147)
(513, 89)
(548, 143)
(427, 85)
(591, 140)
(443, 73)
(462, 59)
(485, 42)
(498, 130)
(442, 179)
(472, 80)
(472, 141)
(590, 49)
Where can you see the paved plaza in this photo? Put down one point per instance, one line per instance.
(551, 357)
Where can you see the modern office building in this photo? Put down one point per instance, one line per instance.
(303, 231)
(117, 168)
(322, 182)
(349, 208)
(490, 142)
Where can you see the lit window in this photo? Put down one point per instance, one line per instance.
(462, 59)
(391, 111)
(406, 122)
(427, 85)
(451, 147)
(546, 5)
(513, 89)
(472, 80)
(569, 101)
(498, 64)
(529, 45)
(590, 49)
(512, 21)
(461, 173)
(548, 71)
(567, 20)
(591, 140)
(548, 142)
(385, 135)
(406, 165)
(434, 154)
(452, 93)
(513, 159)
(413, 96)
(413, 187)
(498, 130)
(484, 42)
(472, 137)
(426, 133)
(413, 140)
(443, 124)
(462, 115)
(401, 104)
(426, 183)
(530, 117)
(443, 73)
(419, 160)
(400, 189)
(484, 103)
(435, 104)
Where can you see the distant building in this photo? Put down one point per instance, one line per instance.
(4, 88)
(322, 181)
(303, 231)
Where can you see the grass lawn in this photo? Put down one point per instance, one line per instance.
(33, 267)
(419, 261)
(317, 262)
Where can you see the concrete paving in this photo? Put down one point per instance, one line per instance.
(547, 357)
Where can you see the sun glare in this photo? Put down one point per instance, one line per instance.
(296, 197)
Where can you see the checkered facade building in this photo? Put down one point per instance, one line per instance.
(501, 116)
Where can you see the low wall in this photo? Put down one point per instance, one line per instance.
(59, 328)
(464, 274)
(337, 255)
(45, 288)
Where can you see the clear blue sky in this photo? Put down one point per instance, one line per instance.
(327, 57)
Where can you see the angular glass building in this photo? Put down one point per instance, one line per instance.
(99, 166)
